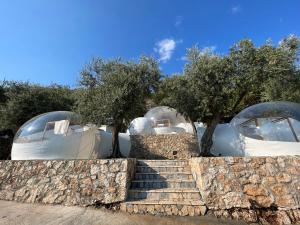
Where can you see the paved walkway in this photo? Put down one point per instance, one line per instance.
(13, 213)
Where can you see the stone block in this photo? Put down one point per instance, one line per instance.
(255, 190)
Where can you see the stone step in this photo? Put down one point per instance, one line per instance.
(165, 208)
(162, 163)
(156, 184)
(164, 175)
(163, 194)
(164, 187)
(167, 202)
(152, 169)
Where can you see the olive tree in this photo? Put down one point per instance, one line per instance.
(209, 78)
(114, 92)
(223, 85)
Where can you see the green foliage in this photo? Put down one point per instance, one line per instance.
(175, 91)
(2, 93)
(214, 88)
(22, 101)
(209, 78)
(114, 92)
(285, 82)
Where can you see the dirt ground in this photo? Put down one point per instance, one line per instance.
(13, 213)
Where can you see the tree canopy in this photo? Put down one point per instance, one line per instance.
(213, 88)
(114, 92)
(24, 101)
(174, 91)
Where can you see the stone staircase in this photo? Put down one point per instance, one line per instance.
(164, 187)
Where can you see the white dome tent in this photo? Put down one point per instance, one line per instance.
(57, 135)
(265, 129)
(160, 120)
(269, 129)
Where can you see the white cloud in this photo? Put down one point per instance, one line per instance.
(236, 9)
(165, 49)
(178, 21)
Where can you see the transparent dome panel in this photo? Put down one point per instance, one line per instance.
(164, 116)
(35, 128)
(271, 121)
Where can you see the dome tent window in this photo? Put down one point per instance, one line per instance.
(162, 123)
(271, 121)
(271, 128)
(42, 125)
(165, 115)
(57, 135)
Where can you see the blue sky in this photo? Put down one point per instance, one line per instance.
(49, 41)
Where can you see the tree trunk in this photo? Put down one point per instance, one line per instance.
(206, 140)
(193, 125)
(115, 143)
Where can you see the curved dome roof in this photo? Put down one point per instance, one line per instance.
(37, 124)
(270, 109)
(272, 121)
(165, 114)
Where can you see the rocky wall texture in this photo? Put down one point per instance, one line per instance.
(264, 189)
(164, 146)
(67, 182)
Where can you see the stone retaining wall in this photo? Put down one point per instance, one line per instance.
(67, 182)
(264, 189)
(255, 189)
(164, 146)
